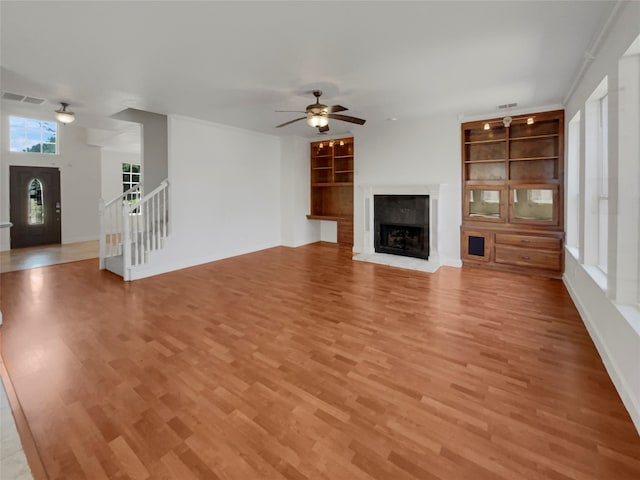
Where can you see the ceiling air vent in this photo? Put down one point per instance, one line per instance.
(34, 100)
(22, 98)
(12, 96)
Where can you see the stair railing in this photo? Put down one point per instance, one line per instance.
(112, 223)
(145, 227)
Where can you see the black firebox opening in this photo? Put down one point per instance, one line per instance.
(402, 225)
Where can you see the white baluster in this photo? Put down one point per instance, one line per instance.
(102, 233)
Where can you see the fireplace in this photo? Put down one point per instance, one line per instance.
(401, 225)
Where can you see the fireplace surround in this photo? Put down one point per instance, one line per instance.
(367, 227)
(401, 225)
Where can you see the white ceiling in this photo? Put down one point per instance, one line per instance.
(236, 62)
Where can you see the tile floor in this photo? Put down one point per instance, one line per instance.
(13, 463)
(32, 257)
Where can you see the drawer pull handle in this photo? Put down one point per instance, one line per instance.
(524, 257)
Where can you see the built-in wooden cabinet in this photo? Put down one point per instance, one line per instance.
(512, 193)
(332, 185)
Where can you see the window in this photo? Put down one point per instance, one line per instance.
(603, 184)
(628, 175)
(35, 203)
(33, 136)
(596, 184)
(573, 185)
(130, 178)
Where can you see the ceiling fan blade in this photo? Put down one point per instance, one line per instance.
(291, 121)
(346, 118)
(336, 108)
(323, 129)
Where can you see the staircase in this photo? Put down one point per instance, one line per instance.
(132, 228)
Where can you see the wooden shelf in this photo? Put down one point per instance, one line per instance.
(493, 140)
(321, 168)
(493, 160)
(329, 217)
(343, 156)
(333, 184)
(551, 181)
(532, 158)
(533, 137)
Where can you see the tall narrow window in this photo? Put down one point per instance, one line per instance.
(35, 203)
(628, 175)
(33, 136)
(573, 185)
(603, 184)
(596, 184)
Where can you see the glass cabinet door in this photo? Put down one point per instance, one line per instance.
(484, 203)
(534, 204)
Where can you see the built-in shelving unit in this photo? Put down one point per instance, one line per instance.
(332, 185)
(512, 184)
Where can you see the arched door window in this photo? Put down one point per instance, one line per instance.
(35, 202)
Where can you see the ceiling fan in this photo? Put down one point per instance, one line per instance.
(318, 115)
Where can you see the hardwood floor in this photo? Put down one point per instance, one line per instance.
(302, 364)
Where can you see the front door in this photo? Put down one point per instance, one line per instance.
(34, 206)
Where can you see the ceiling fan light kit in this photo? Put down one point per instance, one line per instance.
(63, 115)
(318, 115)
(317, 121)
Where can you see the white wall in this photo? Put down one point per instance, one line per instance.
(422, 152)
(111, 171)
(612, 318)
(225, 194)
(79, 166)
(295, 193)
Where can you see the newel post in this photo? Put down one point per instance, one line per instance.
(126, 231)
(103, 233)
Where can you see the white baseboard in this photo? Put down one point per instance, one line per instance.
(79, 239)
(631, 403)
(170, 264)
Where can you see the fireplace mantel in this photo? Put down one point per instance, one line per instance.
(370, 255)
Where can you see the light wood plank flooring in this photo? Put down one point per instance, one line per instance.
(44, 255)
(302, 364)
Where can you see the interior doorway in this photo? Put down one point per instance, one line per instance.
(35, 208)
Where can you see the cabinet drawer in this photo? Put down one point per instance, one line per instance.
(528, 258)
(529, 241)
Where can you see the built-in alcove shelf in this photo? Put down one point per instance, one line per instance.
(332, 185)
